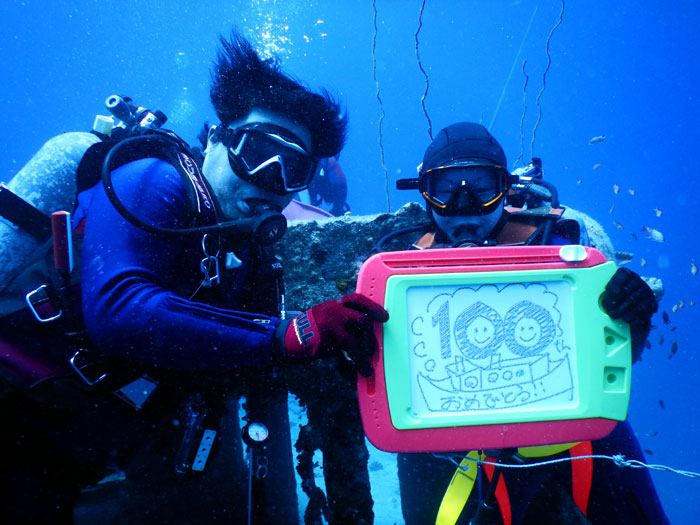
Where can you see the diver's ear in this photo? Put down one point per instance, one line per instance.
(213, 135)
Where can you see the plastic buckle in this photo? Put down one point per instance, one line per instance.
(79, 367)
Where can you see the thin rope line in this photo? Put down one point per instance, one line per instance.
(618, 459)
(512, 67)
(544, 79)
(427, 80)
(522, 119)
(381, 105)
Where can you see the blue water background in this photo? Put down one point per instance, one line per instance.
(623, 69)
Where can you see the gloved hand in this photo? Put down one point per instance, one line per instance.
(343, 327)
(629, 298)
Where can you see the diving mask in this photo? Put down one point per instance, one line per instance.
(466, 188)
(270, 157)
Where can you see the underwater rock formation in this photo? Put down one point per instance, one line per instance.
(321, 257)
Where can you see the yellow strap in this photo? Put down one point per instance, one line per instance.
(462, 483)
(545, 450)
(459, 489)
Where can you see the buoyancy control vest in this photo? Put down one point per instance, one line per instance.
(39, 294)
(526, 227)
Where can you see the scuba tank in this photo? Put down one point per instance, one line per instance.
(47, 182)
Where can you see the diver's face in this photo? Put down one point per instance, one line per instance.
(235, 195)
(469, 228)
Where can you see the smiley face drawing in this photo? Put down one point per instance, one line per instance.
(478, 331)
(528, 329)
(527, 332)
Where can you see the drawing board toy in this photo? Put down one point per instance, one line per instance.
(493, 348)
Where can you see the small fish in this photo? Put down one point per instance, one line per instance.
(618, 225)
(661, 403)
(597, 140)
(596, 166)
(693, 267)
(632, 191)
(669, 357)
(667, 319)
(647, 344)
(644, 261)
(681, 303)
(674, 308)
(654, 434)
(648, 451)
(674, 347)
(692, 303)
(616, 189)
(633, 235)
(579, 181)
(612, 209)
(661, 339)
(673, 329)
(658, 212)
(624, 256)
(653, 234)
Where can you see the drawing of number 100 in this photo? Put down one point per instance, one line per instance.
(495, 340)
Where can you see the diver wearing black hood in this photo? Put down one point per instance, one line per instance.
(465, 184)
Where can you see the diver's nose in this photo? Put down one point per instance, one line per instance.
(463, 198)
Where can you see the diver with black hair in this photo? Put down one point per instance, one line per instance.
(181, 308)
(329, 188)
(467, 187)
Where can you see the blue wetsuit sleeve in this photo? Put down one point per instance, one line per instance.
(128, 278)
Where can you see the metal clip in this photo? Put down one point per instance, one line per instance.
(261, 467)
(28, 299)
(79, 367)
(206, 264)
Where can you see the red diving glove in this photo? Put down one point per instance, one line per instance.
(343, 327)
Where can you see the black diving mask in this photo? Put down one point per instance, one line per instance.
(464, 189)
(269, 156)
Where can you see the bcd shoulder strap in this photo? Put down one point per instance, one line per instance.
(37, 273)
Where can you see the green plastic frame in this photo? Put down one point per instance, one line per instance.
(601, 370)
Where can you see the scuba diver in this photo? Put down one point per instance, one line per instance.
(180, 305)
(466, 187)
(330, 187)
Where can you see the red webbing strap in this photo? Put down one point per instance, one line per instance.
(501, 492)
(426, 241)
(581, 474)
